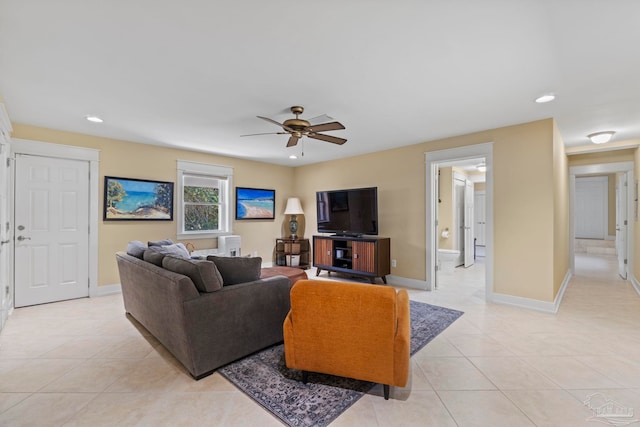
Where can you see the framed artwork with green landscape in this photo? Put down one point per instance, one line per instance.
(255, 203)
(127, 199)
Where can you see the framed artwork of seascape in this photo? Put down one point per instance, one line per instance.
(127, 199)
(255, 203)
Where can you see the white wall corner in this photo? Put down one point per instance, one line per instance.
(533, 304)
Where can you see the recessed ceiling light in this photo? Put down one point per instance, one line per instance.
(293, 156)
(94, 119)
(601, 137)
(548, 97)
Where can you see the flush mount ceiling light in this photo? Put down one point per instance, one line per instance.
(293, 156)
(601, 137)
(94, 119)
(548, 97)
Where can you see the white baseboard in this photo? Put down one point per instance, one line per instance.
(532, 304)
(407, 283)
(634, 283)
(105, 290)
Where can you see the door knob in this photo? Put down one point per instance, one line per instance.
(21, 238)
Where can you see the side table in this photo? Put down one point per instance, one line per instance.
(293, 253)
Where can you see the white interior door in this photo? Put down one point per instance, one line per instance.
(5, 289)
(436, 222)
(591, 207)
(480, 218)
(468, 224)
(458, 220)
(621, 223)
(51, 229)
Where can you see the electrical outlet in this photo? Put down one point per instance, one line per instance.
(393, 263)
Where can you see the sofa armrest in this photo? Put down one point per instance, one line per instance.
(402, 341)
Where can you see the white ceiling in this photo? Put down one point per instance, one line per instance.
(195, 73)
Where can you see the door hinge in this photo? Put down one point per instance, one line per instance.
(8, 162)
(625, 222)
(625, 262)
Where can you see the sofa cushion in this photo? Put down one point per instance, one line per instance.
(136, 248)
(202, 273)
(177, 250)
(153, 257)
(237, 269)
(160, 242)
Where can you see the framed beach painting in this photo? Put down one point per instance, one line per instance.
(137, 199)
(255, 203)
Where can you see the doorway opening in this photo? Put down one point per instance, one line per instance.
(601, 212)
(453, 226)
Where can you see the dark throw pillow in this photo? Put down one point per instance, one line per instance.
(202, 273)
(161, 242)
(237, 269)
(153, 257)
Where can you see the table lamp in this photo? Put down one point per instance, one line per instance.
(293, 208)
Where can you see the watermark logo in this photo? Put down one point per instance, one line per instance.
(608, 411)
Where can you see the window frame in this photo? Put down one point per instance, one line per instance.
(222, 173)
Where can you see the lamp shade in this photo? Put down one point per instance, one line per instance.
(293, 207)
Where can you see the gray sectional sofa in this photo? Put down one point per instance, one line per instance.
(204, 319)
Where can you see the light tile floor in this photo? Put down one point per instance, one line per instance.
(83, 363)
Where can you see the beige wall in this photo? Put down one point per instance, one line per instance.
(626, 155)
(131, 160)
(524, 197)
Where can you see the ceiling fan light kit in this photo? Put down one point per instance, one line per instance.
(298, 128)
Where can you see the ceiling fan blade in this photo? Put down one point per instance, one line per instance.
(265, 133)
(320, 119)
(293, 141)
(270, 120)
(276, 123)
(328, 138)
(322, 127)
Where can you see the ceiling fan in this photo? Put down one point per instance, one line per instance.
(298, 128)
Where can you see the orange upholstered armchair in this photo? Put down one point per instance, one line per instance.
(350, 330)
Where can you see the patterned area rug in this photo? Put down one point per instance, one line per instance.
(265, 378)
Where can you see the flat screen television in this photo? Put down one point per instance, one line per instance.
(351, 212)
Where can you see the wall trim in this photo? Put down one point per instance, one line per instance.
(533, 304)
(634, 283)
(407, 283)
(105, 290)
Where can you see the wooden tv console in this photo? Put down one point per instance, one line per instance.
(358, 256)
